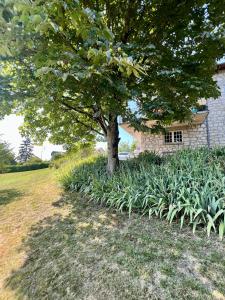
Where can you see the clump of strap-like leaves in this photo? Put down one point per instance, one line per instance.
(188, 187)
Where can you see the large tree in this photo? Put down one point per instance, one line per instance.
(73, 66)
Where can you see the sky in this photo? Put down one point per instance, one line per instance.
(9, 132)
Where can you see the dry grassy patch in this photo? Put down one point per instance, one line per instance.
(95, 253)
(25, 199)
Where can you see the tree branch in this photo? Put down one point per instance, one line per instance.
(85, 125)
(99, 119)
(79, 110)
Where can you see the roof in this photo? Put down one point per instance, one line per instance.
(196, 119)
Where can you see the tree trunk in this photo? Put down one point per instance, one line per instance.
(112, 143)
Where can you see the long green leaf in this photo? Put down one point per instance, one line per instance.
(221, 230)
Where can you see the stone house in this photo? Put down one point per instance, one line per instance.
(207, 128)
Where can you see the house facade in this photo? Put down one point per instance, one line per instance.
(207, 128)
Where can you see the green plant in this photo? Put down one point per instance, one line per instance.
(102, 54)
(188, 187)
(34, 160)
(72, 158)
(7, 157)
(25, 167)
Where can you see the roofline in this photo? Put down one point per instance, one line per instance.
(196, 119)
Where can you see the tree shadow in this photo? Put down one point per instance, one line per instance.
(94, 253)
(63, 252)
(9, 195)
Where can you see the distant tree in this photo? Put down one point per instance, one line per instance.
(34, 160)
(127, 147)
(124, 147)
(6, 156)
(133, 146)
(83, 144)
(74, 66)
(25, 150)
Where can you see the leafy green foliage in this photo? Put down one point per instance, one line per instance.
(188, 187)
(6, 156)
(127, 147)
(72, 158)
(80, 147)
(74, 65)
(25, 167)
(71, 85)
(124, 146)
(34, 160)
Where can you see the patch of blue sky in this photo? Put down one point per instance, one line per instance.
(125, 137)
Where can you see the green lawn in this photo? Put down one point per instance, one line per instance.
(90, 252)
(25, 199)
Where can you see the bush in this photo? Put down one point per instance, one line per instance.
(34, 160)
(188, 186)
(71, 158)
(25, 167)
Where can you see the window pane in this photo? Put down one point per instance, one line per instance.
(177, 136)
(168, 137)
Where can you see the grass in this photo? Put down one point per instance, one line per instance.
(87, 251)
(8, 195)
(25, 198)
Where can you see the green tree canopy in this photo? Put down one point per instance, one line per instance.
(6, 156)
(71, 67)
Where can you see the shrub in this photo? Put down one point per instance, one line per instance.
(25, 167)
(71, 158)
(34, 160)
(188, 186)
(66, 170)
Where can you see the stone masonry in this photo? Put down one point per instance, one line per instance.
(216, 117)
(193, 137)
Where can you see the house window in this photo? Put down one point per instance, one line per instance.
(173, 137)
(177, 136)
(168, 137)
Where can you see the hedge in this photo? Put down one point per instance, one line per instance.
(25, 167)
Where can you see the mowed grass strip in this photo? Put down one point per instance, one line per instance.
(86, 251)
(96, 253)
(25, 199)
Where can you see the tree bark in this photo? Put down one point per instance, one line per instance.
(113, 143)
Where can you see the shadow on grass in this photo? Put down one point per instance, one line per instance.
(93, 253)
(9, 195)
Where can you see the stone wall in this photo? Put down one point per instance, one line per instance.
(193, 136)
(216, 117)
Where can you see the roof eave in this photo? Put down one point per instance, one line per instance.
(196, 119)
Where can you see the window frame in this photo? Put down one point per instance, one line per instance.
(173, 140)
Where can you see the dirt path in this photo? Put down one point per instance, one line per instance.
(25, 199)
